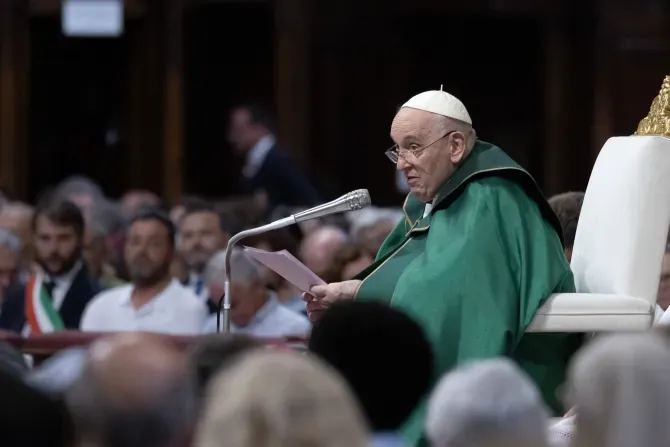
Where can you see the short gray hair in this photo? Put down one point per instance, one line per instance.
(245, 270)
(10, 241)
(507, 407)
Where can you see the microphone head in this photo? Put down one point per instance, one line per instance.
(357, 199)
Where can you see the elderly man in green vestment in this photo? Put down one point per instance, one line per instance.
(478, 252)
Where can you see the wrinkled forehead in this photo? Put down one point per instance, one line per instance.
(411, 123)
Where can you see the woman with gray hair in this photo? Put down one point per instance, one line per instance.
(620, 386)
(488, 403)
(280, 399)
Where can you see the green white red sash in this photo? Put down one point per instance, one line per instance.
(41, 314)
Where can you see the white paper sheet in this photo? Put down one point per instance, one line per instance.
(287, 266)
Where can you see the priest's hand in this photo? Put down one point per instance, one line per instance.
(320, 297)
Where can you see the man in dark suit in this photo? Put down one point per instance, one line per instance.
(267, 168)
(55, 298)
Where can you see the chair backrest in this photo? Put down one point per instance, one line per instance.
(623, 225)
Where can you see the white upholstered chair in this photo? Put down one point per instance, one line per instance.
(620, 242)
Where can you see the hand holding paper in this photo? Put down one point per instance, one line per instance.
(287, 266)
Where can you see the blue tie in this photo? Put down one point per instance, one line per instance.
(198, 286)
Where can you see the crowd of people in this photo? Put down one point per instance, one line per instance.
(369, 372)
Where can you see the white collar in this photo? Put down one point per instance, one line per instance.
(257, 154)
(127, 298)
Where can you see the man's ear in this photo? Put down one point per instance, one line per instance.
(457, 147)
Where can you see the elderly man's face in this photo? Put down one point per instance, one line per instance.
(429, 152)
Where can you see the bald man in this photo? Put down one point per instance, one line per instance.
(318, 248)
(136, 390)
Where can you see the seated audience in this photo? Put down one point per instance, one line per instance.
(10, 259)
(201, 234)
(488, 403)
(376, 348)
(277, 399)
(154, 301)
(567, 207)
(136, 390)
(620, 388)
(54, 298)
(214, 352)
(663, 297)
(254, 309)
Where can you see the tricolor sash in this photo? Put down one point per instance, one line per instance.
(41, 314)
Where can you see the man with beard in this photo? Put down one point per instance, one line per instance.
(201, 235)
(154, 301)
(55, 298)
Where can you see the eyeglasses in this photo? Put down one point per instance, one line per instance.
(395, 152)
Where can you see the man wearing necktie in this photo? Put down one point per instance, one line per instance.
(201, 235)
(55, 297)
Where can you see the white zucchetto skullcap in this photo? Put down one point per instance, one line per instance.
(440, 103)
(487, 403)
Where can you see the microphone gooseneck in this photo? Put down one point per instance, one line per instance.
(352, 201)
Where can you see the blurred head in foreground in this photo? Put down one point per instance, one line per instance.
(620, 386)
(376, 348)
(488, 403)
(280, 399)
(136, 390)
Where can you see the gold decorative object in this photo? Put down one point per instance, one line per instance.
(658, 120)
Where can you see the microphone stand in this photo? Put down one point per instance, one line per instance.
(354, 200)
(224, 302)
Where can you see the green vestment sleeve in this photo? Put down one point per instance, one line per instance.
(473, 274)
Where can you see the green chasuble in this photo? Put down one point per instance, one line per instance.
(474, 271)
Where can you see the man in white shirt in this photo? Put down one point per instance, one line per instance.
(201, 235)
(154, 302)
(254, 309)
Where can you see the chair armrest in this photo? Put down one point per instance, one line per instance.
(592, 312)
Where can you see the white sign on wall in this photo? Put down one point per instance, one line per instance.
(92, 18)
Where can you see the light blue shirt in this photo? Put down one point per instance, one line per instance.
(296, 304)
(272, 320)
(387, 439)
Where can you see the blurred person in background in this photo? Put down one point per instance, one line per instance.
(278, 240)
(96, 255)
(10, 256)
(54, 298)
(136, 390)
(567, 207)
(487, 403)
(267, 168)
(350, 260)
(317, 249)
(80, 190)
(136, 200)
(663, 298)
(153, 301)
(109, 217)
(17, 217)
(280, 399)
(254, 308)
(375, 348)
(201, 235)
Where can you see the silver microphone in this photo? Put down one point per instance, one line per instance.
(352, 201)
